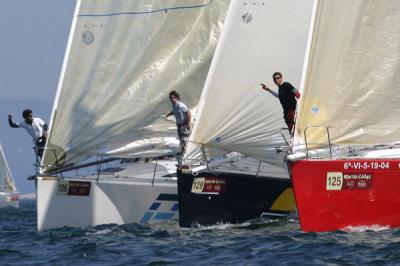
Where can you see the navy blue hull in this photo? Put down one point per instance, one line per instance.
(244, 197)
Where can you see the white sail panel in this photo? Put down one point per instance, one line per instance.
(6, 181)
(123, 59)
(352, 76)
(258, 39)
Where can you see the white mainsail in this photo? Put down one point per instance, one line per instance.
(122, 59)
(353, 72)
(6, 181)
(235, 114)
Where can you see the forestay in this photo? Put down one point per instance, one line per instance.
(352, 75)
(6, 181)
(235, 114)
(122, 59)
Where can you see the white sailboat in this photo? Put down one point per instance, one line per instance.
(122, 59)
(9, 195)
(345, 160)
(233, 170)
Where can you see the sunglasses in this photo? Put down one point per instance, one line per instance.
(276, 78)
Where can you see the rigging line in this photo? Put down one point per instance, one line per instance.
(146, 12)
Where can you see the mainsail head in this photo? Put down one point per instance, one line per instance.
(122, 59)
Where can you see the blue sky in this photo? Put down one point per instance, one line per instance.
(33, 38)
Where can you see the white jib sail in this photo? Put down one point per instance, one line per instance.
(352, 75)
(6, 181)
(258, 39)
(122, 60)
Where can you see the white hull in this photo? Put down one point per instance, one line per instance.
(9, 199)
(118, 197)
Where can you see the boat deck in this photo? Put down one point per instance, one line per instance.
(140, 171)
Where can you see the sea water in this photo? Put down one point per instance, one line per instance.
(252, 243)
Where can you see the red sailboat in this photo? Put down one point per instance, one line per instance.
(345, 156)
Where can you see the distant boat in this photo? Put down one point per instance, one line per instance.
(122, 59)
(345, 162)
(9, 195)
(233, 170)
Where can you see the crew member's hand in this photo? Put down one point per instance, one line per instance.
(264, 87)
(166, 117)
(45, 135)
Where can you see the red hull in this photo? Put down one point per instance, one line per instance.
(334, 194)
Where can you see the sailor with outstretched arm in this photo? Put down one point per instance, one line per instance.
(287, 95)
(35, 126)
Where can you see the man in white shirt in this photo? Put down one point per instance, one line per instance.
(182, 116)
(36, 127)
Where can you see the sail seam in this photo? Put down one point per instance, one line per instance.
(146, 12)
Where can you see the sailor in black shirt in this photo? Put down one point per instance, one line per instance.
(287, 95)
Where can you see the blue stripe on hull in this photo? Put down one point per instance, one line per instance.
(164, 216)
(168, 197)
(155, 206)
(147, 216)
(175, 207)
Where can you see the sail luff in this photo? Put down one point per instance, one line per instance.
(194, 144)
(49, 150)
(296, 144)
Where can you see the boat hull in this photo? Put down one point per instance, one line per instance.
(9, 199)
(231, 198)
(340, 194)
(75, 202)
